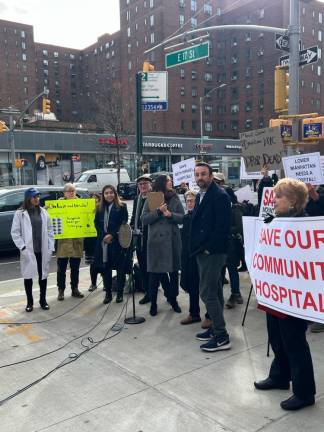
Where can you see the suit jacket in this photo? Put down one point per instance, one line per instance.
(211, 222)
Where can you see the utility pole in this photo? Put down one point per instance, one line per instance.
(294, 37)
(139, 121)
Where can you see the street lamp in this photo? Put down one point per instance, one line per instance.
(201, 99)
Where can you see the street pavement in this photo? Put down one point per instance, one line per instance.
(150, 377)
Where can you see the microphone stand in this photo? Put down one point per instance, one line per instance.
(133, 319)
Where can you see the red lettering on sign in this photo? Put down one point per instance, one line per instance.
(270, 236)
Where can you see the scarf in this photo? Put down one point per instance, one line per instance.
(106, 224)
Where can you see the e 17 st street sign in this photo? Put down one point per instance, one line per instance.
(306, 57)
(187, 55)
(154, 91)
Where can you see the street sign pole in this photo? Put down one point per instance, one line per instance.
(139, 121)
(294, 36)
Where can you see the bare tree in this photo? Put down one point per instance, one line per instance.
(110, 114)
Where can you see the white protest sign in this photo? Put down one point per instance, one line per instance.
(249, 175)
(262, 147)
(244, 194)
(286, 265)
(184, 171)
(304, 167)
(322, 164)
(267, 206)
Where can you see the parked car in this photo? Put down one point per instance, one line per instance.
(11, 199)
(94, 180)
(127, 190)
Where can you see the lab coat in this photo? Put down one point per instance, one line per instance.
(22, 235)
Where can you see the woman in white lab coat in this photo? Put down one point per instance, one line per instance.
(32, 233)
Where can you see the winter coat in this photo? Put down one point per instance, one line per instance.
(164, 241)
(189, 271)
(22, 235)
(69, 247)
(236, 249)
(117, 217)
(211, 220)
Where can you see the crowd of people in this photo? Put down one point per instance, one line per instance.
(202, 243)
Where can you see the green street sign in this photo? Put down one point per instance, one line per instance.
(187, 55)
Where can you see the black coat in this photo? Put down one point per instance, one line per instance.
(211, 222)
(141, 240)
(115, 253)
(316, 208)
(189, 271)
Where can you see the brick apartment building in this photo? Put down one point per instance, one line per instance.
(243, 60)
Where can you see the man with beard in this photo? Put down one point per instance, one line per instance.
(144, 187)
(209, 235)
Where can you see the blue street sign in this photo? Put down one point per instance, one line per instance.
(155, 106)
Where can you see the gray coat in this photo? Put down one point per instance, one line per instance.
(164, 241)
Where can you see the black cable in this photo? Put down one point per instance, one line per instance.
(71, 357)
(53, 318)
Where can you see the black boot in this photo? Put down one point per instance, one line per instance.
(144, 299)
(77, 293)
(175, 306)
(30, 300)
(42, 297)
(153, 309)
(108, 296)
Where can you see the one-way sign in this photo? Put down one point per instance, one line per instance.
(282, 42)
(306, 57)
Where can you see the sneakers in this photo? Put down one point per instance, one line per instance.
(317, 327)
(190, 320)
(219, 343)
(205, 336)
(92, 288)
(233, 300)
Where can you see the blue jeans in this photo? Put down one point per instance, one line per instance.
(234, 278)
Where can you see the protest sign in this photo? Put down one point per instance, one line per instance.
(304, 167)
(286, 264)
(322, 164)
(267, 205)
(262, 147)
(244, 194)
(183, 172)
(249, 175)
(72, 218)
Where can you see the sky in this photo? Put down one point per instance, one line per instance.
(68, 23)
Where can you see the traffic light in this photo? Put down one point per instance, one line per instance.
(281, 89)
(46, 106)
(3, 127)
(147, 67)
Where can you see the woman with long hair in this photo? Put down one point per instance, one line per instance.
(32, 233)
(164, 243)
(110, 215)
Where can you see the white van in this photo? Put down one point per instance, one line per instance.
(94, 180)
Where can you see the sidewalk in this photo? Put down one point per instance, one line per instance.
(151, 377)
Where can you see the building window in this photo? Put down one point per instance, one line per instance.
(45, 53)
(234, 125)
(234, 42)
(304, 11)
(152, 38)
(261, 13)
(248, 124)
(234, 92)
(182, 91)
(208, 109)
(221, 109)
(319, 70)
(260, 69)
(208, 9)
(194, 108)
(128, 32)
(248, 106)
(248, 37)
(152, 20)
(151, 3)
(235, 108)
(261, 104)
(182, 107)
(234, 75)
(194, 5)
(320, 35)
(260, 52)
(181, 20)
(218, 11)
(208, 76)
(128, 15)
(221, 126)
(221, 61)
(248, 72)
(23, 34)
(208, 126)
(194, 92)
(194, 125)
(221, 77)
(26, 79)
(129, 65)
(181, 3)
(24, 57)
(248, 53)
(23, 45)
(182, 125)
(318, 88)
(182, 74)
(320, 17)
(194, 22)
(193, 74)
(261, 122)
(234, 59)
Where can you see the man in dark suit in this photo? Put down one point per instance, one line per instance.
(144, 187)
(209, 236)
